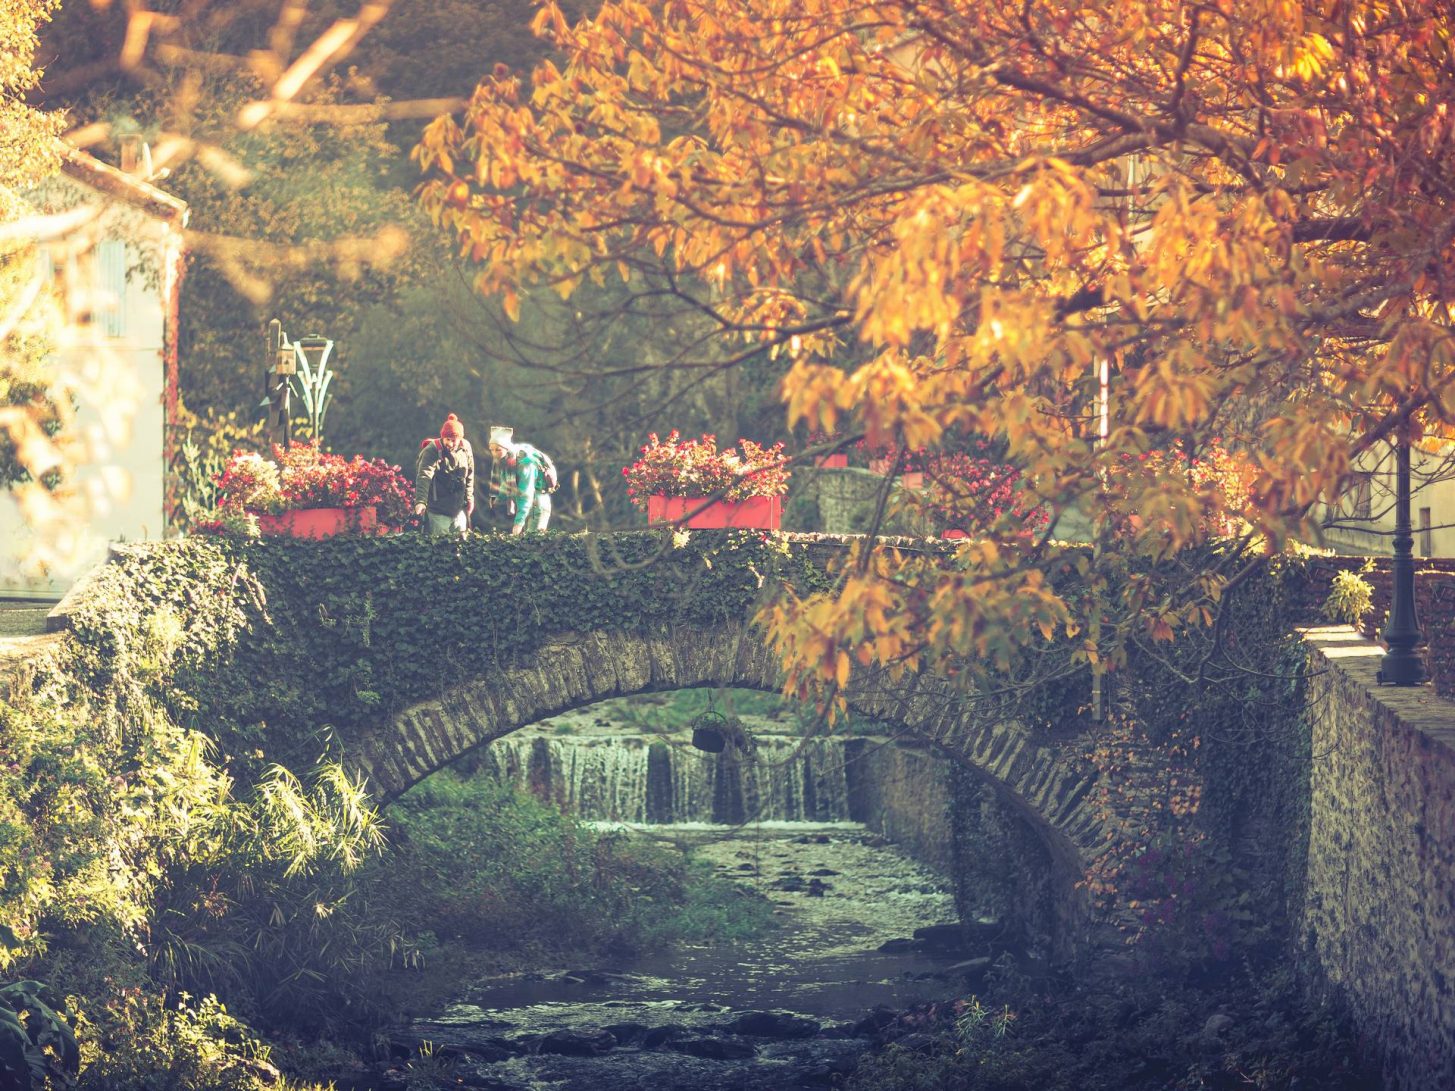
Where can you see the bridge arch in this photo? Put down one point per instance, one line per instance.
(1050, 787)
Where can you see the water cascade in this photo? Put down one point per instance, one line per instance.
(663, 779)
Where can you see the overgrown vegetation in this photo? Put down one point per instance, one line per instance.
(144, 862)
(1249, 1032)
(472, 860)
(281, 642)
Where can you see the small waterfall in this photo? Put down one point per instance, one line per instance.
(664, 779)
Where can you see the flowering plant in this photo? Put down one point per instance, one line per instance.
(302, 476)
(248, 483)
(695, 467)
(1202, 490)
(881, 458)
(970, 492)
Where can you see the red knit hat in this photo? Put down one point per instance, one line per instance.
(452, 428)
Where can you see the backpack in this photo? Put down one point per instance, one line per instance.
(548, 468)
(436, 491)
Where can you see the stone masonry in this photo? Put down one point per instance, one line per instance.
(1050, 785)
(1377, 923)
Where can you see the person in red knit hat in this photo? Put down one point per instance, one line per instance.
(444, 480)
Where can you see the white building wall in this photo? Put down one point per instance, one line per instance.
(115, 370)
(1432, 496)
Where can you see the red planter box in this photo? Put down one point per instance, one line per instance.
(832, 462)
(319, 522)
(754, 513)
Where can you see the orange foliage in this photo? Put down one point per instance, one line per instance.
(951, 214)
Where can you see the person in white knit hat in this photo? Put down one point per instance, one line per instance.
(526, 479)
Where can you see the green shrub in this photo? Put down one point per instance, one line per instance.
(474, 860)
(1351, 596)
(143, 1044)
(38, 1048)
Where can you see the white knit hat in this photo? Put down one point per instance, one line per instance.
(501, 435)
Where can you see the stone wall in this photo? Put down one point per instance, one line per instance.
(957, 821)
(836, 501)
(903, 792)
(1376, 925)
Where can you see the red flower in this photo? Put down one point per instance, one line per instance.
(695, 467)
(306, 477)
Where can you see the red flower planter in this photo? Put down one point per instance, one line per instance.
(832, 462)
(319, 522)
(754, 513)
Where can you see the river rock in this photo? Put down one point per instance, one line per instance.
(480, 1079)
(626, 1033)
(589, 977)
(874, 1022)
(660, 1036)
(898, 946)
(941, 937)
(715, 1049)
(971, 969)
(774, 1024)
(576, 1043)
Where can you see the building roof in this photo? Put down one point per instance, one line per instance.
(90, 171)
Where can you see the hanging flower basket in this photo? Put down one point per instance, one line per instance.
(320, 522)
(700, 513)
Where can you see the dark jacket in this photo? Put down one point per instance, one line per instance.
(444, 480)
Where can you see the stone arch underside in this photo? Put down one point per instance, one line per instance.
(1050, 786)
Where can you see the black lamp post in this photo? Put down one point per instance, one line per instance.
(281, 365)
(1401, 666)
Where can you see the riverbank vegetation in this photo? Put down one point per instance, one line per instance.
(179, 919)
(1247, 1031)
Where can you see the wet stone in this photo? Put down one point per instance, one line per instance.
(575, 1043)
(660, 1036)
(717, 1049)
(775, 1024)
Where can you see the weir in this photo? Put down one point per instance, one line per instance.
(646, 780)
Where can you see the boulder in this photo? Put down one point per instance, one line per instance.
(715, 1049)
(576, 1043)
(660, 1036)
(774, 1024)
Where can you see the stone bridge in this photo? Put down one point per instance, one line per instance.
(304, 601)
(1365, 852)
(1048, 786)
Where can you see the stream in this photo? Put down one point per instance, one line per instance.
(792, 1009)
(862, 932)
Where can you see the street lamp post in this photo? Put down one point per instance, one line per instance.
(1401, 665)
(276, 383)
